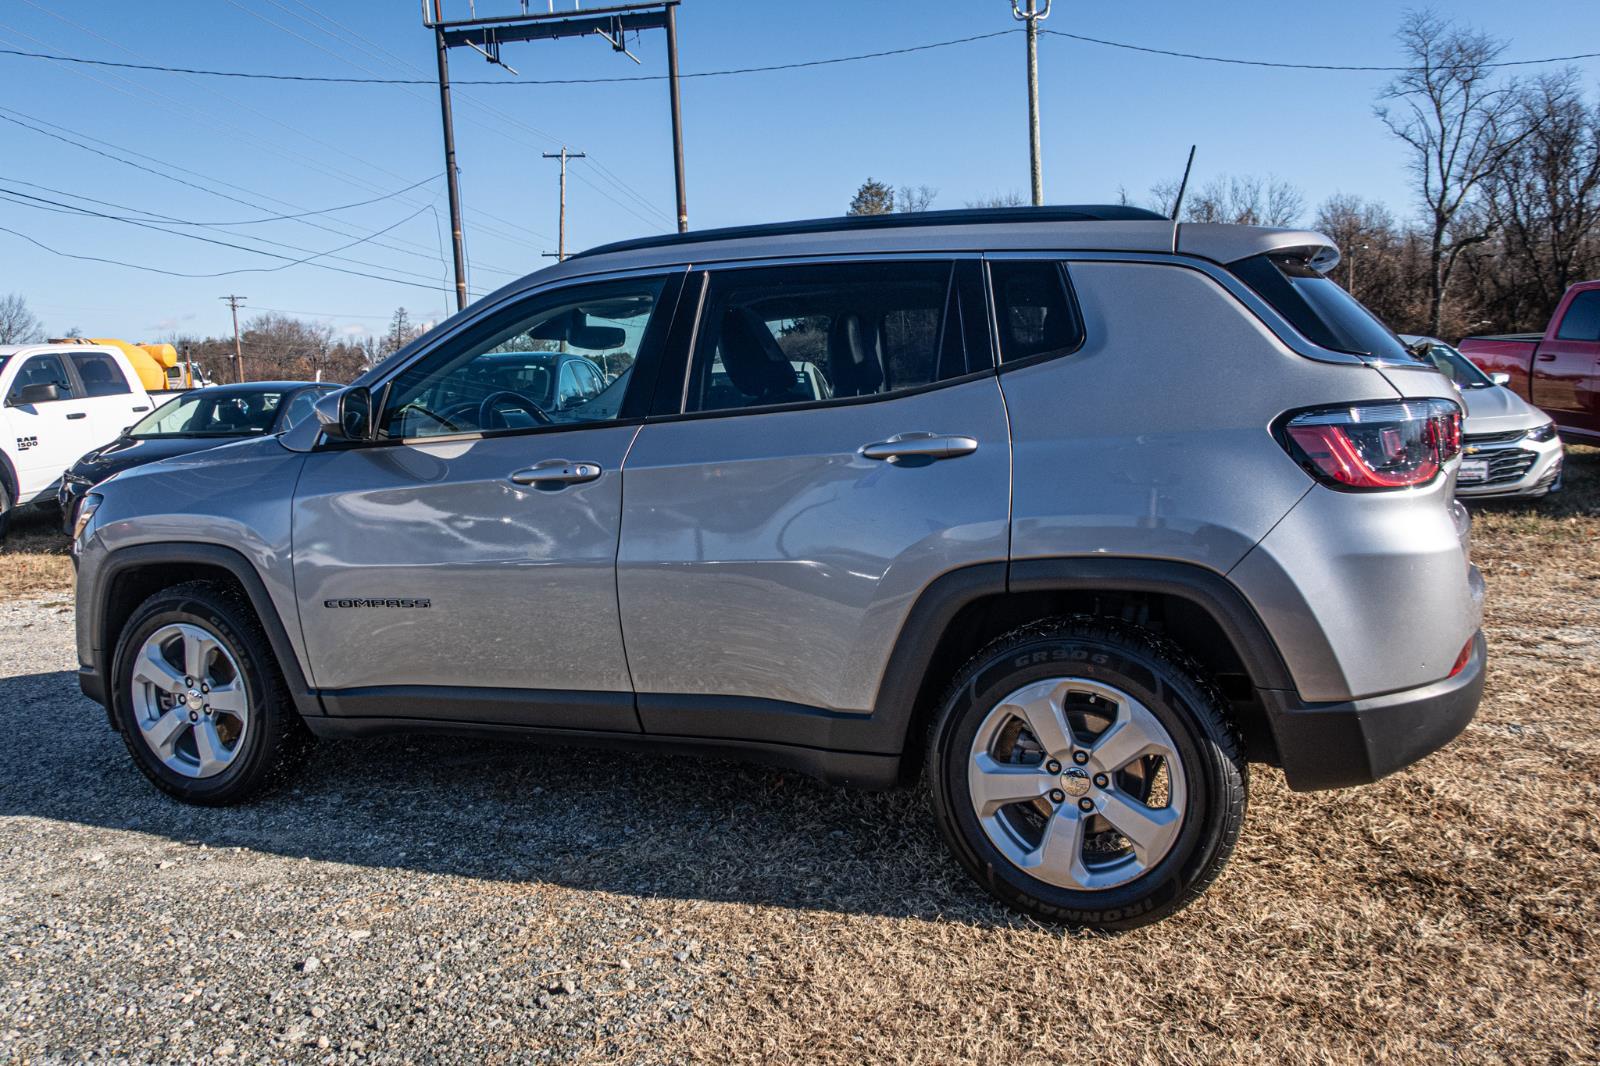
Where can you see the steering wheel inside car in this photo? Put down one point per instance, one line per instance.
(489, 416)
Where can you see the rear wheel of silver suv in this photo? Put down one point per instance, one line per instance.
(1085, 771)
(199, 700)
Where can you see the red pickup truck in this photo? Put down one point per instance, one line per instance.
(1559, 370)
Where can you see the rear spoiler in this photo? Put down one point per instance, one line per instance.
(1226, 244)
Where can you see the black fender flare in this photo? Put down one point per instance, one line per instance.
(896, 705)
(94, 676)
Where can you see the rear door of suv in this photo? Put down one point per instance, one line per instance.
(833, 440)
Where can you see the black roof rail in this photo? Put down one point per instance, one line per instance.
(977, 216)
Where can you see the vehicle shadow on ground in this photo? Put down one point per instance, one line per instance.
(645, 824)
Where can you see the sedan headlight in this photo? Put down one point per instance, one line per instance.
(86, 510)
(1542, 433)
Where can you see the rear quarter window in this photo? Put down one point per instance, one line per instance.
(1319, 308)
(1035, 313)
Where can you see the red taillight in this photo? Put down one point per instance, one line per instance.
(1463, 659)
(1387, 445)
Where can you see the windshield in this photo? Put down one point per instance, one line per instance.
(1458, 368)
(211, 414)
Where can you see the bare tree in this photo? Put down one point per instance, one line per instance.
(914, 199)
(1460, 127)
(1375, 263)
(1245, 200)
(1000, 199)
(1544, 200)
(18, 325)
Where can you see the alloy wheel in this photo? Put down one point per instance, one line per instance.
(189, 700)
(1077, 783)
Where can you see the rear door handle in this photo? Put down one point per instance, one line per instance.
(138, 409)
(1547, 357)
(78, 414)
(557, 472)
(920, 446)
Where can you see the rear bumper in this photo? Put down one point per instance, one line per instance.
(1335, 745)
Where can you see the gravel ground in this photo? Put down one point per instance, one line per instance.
(447, 900)
(414, 897)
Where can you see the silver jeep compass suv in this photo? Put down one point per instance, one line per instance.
(1074, 510)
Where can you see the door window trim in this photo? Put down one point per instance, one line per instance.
(635, 401)
(672, 391)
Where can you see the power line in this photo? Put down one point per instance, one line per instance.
(334, 79)
(147, 268)
(302, 38)
(14, 196)
(372, 48)
(152, 216)
(1299, 66)
(240, 222)
(320, 314)
(307, 261)
(145, 168)
(247, 135)
(501, 81)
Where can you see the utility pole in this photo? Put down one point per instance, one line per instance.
(452, 177)
(610, 22)
(677, 115)
(238, 353)
(561, 225)
(1032, 15)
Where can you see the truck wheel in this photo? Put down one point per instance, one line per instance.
(1084, 771)
(199, 700)
(7, 505)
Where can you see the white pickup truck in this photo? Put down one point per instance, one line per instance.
(60, 401)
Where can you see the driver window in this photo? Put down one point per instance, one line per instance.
(526, 373)
(41, 370)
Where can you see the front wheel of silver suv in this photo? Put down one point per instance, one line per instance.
(199, 700)
(1084, 771)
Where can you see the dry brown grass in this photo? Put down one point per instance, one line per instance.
(1447, 913)
(34, 559)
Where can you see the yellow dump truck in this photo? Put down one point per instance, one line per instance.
(158, 365)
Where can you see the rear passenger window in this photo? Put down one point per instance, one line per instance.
(1036, 314)
(100, 374)
(805, 334)
(1582, 320)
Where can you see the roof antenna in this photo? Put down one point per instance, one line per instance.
(1183, 186)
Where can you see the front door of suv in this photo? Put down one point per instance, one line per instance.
(463, 566)
(838, 441)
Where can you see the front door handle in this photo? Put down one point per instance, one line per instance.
(78, 414)
(1547, 357)
(557, 472)
(927, 446)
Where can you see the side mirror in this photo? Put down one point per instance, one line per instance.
(346, 414)
(47, 392)
(1500, 378)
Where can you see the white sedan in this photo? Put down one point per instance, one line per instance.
(1509, 446)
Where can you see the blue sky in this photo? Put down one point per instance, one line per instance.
(759, 147)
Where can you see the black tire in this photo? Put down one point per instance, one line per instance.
(275, 740)
(7, 505)
(1182, 700)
